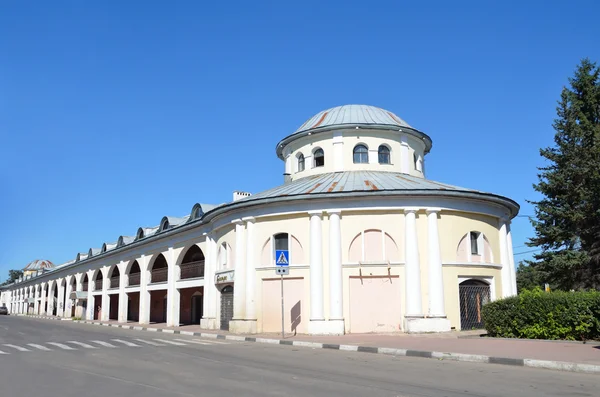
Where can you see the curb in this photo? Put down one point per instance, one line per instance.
(472, 358)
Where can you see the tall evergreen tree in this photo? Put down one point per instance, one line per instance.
(567, 223)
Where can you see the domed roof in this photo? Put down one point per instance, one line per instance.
(39, 264)
(352, 114)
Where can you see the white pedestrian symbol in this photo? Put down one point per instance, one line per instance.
(282, 259)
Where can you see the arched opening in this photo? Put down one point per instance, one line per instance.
(159, 272)
(115, 277)
(85, 282)
(300, 162)
(192, 265)
(73, 288)
(473, 295)
(318, 158)
(191, 299)
(134, 274)
(98, 281)
(64, 303)
(361, 154)
(133, 298)
(384, 154)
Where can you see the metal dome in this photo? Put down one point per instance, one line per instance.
(39, 264)
(353, 115)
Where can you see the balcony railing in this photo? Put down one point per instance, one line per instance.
(134, 279)
(115, 281)
(98, 285)
(159, 275)
(192, 270)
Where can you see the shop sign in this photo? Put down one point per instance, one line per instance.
(225, 277)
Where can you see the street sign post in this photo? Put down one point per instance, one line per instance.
(282, 263)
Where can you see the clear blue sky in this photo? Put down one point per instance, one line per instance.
(109, 112)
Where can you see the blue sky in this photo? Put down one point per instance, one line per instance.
(109, 110)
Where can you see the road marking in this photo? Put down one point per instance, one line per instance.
(1, 352)
(64, 347)
(170, 342)
(40, 347)
(126, 343)
(194, 341)
(19, 348)
(149, 342)
(105, 344)
(84, 345)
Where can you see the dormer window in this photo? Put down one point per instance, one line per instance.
(300, 162)
(384, 154)
(319, 158)
(361, 154)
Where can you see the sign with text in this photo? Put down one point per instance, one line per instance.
(225, 277)
(282, 258)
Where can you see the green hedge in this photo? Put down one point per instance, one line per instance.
(545, 315)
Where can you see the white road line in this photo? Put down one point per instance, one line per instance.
(19, 348)
(149, 342)
(170, 342)
(40, 347)
(1, 352)
(194, 341)
(84, 345)
(64, 347)
(126, 343)
(101, 343)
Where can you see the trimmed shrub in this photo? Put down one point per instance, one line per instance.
(545, 315)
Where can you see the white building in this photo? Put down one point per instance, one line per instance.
(373, 246)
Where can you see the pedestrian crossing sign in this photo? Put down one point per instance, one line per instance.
(282, 258)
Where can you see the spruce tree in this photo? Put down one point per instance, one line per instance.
(567, 224)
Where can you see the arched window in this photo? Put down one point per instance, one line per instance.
(300, 162)
(319, 158)
(361, 154)
(415, 159)
(384, 154)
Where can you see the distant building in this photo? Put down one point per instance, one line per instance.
(37, 266)
(371, 244)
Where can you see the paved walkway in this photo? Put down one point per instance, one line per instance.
(467, 342)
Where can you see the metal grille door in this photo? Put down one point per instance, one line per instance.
(472, 298)
(226, 307)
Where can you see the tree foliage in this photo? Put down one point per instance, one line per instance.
(567, 224)
(13, 275)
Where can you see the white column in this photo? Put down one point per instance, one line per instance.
(404, 155)
(78, 287)
(43, 300)
(250, 269)
(208, 320)
(239, 291)
(338, 151)
(89, 313)
(173, 294)
(60, 309)
(105, 314)
(68, 302)
(316, 267)
(412, 266)
(336, 302)
(504, 260)
(144, 315)
(436, 280)
(36, 295)
(123, 301)
(511, 260)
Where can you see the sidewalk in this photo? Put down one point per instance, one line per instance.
(458, 346)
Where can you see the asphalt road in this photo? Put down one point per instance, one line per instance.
(59, 358)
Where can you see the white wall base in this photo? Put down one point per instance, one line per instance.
(324, 327)
(242, 326)
(208, 323)
(422, 325)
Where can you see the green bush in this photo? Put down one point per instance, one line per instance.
(545, 315)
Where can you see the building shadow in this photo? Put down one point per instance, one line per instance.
(296, 316)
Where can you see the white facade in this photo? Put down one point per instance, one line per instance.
(373, 246)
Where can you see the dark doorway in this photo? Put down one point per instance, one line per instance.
(226, 307)
(473, 295)
(197, 304)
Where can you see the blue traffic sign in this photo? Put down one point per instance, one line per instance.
(282, 258)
